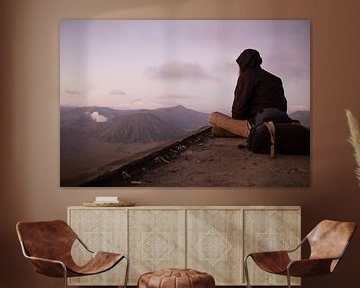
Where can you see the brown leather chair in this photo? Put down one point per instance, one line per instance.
(328, 242)
(48, 245)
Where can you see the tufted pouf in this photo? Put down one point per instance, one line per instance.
(176, 278)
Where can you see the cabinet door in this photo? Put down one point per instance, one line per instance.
(270, 230)
(101, 230)
(214, 244)
(156, 240)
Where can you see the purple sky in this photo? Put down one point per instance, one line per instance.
(135, 64)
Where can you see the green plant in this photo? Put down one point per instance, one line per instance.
(354, 139)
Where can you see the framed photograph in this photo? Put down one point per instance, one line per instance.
(136, 97)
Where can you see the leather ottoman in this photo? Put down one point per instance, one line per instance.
(176, 278)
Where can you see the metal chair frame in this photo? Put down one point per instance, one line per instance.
(288, 276)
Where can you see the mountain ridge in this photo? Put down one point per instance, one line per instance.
(122, 126)
(140, 127)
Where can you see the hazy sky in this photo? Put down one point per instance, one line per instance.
(133, 64)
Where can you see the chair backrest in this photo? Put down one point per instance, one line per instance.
(46, 239)
(329, 239)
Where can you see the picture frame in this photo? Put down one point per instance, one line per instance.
(136, 95)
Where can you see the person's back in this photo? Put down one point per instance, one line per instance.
(256, 88)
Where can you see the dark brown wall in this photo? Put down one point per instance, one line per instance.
(29, 119)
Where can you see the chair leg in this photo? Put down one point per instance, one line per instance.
(246, 272)
(65, 275)
(127, 271)
(288, 278)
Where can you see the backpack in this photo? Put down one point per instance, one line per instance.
(283, 138)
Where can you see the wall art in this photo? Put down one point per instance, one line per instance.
(136, 95)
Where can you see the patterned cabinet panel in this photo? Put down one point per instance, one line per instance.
(214, 244)
(101, 230)
(269, 230)
(208, 239)
(156, 240)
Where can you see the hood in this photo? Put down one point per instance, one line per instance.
(249, 58)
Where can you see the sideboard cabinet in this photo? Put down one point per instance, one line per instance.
(210, 239)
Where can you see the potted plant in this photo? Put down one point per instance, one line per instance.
(354, 139)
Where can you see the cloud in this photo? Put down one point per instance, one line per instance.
(174, 96)
(133, 104)
(97, 117)
(173, 99)
(293, 108)
(136, 101)
(117, 92)
(177, 70)
(75, 93)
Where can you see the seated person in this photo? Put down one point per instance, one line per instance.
(256, 90)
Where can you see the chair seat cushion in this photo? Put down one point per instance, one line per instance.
(176, 278)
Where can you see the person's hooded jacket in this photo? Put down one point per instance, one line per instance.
(256, 88)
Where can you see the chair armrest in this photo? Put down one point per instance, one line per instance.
(271, 261)
(309, 267)
(268, 253)
(84, 245)
(298, 246)
(281, 251)
(48, 267)
(45, 260)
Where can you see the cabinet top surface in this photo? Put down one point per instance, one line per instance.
(192, 207)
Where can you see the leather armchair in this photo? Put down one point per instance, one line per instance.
(48, 245)
(328, 242)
